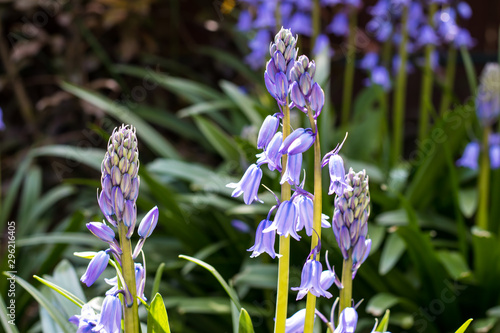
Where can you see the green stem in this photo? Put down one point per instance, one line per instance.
(346, 292)
(400, 92)
(284, 247)
(317, 204)
(483, 183)
(349, 68)
(451, 66)
(469, 70)
(316, 21)
(131, 314)
(426, 93)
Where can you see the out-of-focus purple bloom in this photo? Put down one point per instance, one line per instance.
(86, 321)
(369, 61)
(295, 324)
(488, 96)
(285, 220)
(339, 25)
(2, 125)
(427, 36)
(244, 21)
(298, 142)
(330, 2)
(310, 280)
(111, 316)
(267, 131)
(240, 226)
(396, 64)
(301, 23)
(265, 15)
(471, 155)
(463, 38)
(148, 223)
(380, 76)
(494, 152)
(348, 320)
(248, 185)
(271, 154)
(258, 46)
(293, 169)
(464, 10)
(264, 241)
(322, 42)
(95, 268)
(354, 3)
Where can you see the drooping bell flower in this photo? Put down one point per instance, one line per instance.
(295, 324)
(95, 268)
(292, 171)
(111, 315)
(298, 141)
(264, 241)
(267, 131)
(285, 220)
(86, 321)
(271, 155)
(248, 185)
(471, 155)
(310, 280)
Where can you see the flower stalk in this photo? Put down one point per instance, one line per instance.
(483, 182)
(349, 67)
(427, 81)
(400, 93)
(284, 243)
(346, 292)
(317, 204)
(449, 79)
(131, 315)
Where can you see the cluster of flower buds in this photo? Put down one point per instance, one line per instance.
(117, 201)
(350, 218)
(304, 92)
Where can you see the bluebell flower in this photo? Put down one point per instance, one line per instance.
(244, 21)
(310, 280)
(301, 23)
(140, 281)
(293, 169)
(267, 131)
(285, 220)
(360, 253)
(369, 61)
(295, 324)
(2, 124)
(95, 268)
(305, 211)
(265, 15)
(379, 75)
(148, 223)
(426, 36)
(494, 150)
(396, 64)
(86, 321)
(328, 276)
(298, 141)
(271, 155)
(102, 231)
(471, 155)
(339, 25)
(264, 241)
(240, 226)
(464, 10)
(248, 185)
(111, 315)
(463, 38)
(348, 320)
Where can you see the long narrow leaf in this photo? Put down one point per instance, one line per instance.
(4, 318)
(230, 291)
(221, 142)
(61, 291)
(145, 131)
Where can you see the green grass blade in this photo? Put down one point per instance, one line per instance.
(464, 326)
(157, 280)
(230, 291)
(245, 103)
(73, 238)
(61, 291)
(45, 303)
(221, 142)
(469, 70)
(205, 107)
(91, 157)
(144, 131)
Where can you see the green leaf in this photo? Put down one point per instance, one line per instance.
(190, 90)
(469, 70)
(4, 318)
(61, 291)
(157, 280)
(468, 201)
(486, 253)
(384, 323)
(482, 325)
(392, 252)
(245, 322)
(379, 303)
(258, 276)
(144, 131)
(48, 200)
(205, 107)
(157, 316)
(30, 194)
(61, 321)
(73, 238)
(91, 157)
(221, 142)
(454, 263)
(203, 254)
(245, 103)
(230, 291)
